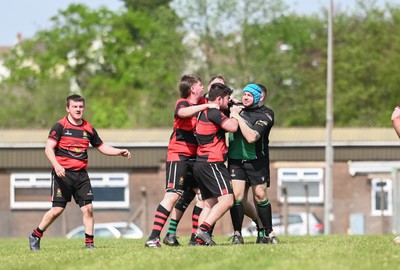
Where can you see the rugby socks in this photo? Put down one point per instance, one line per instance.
(160, 219)
(205, 227)
(265, 212)
(181, 205)
(256, 222)
(89, 239)
(260, 231)
(237, 215)
(195, 221)
(37, 233)
(173, 225)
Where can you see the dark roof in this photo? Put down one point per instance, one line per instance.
(160, 137)
(4, 49)
(23, 149)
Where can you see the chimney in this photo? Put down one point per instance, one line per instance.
(19, 37)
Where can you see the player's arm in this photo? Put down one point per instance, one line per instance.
(396, 120)
(230, 125)
(249, 134)
(112, 151)
(49, 151)
(192, 110)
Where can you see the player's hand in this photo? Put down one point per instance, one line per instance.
(236, 109)
(125, 153)
(234, 101)
(60, 171)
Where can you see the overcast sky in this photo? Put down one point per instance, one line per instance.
(29, 16)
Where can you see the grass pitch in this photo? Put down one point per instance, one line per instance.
(334, 252)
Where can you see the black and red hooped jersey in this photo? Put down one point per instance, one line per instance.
(73, 142)
(182, 141)
(211, 136)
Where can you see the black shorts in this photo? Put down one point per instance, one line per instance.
(214, 179)
(75, 183)
(254, 172)
(179, 176)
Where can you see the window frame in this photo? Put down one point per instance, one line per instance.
(100, 180)
(298, 175)
(388, 189)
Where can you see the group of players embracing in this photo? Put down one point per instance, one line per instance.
(196, 162)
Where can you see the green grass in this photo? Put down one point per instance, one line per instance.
(334, 252)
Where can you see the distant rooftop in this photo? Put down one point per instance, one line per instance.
(160, 137)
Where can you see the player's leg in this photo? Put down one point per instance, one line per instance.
(60, 195)
(239, 177)
(48, 218)
(197, 209)
(83, 196)
(250, 209)
(217, 192)
(88, 223)
(237, 210)
(177, 212)
(203, 233)
(264, 210)
(175, 175)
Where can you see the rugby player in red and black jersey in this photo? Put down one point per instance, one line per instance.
(209, 169)
(66, 149)
(181, 151)
(187, 197)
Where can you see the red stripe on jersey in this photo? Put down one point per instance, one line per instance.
(182, 141)
(211, 137)
(73, 142)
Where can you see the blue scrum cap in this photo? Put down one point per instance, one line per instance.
(255, 90)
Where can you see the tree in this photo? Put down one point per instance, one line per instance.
(366, 60)
(288, 53)
(123, 64)
(127, 65)
(218, 30)
(145, 5)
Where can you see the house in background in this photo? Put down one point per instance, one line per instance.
(4, 72)
(363, 182)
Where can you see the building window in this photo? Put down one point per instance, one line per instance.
(301, 184)
(381, 197)
(32, 190)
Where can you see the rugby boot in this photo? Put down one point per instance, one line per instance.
(153, 243)
(171, 240)
(34, 242)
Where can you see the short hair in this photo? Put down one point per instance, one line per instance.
(186, 83)
(217, 77)
(219, 90)
(76, 98)
(263, 89)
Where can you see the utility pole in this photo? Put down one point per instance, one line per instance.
(329, 156)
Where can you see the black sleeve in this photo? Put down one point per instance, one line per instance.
(179, 105)
(56, 132)
(95, 140)
(216, 116)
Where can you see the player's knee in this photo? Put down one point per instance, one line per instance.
(56, 211)
(87, 209)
